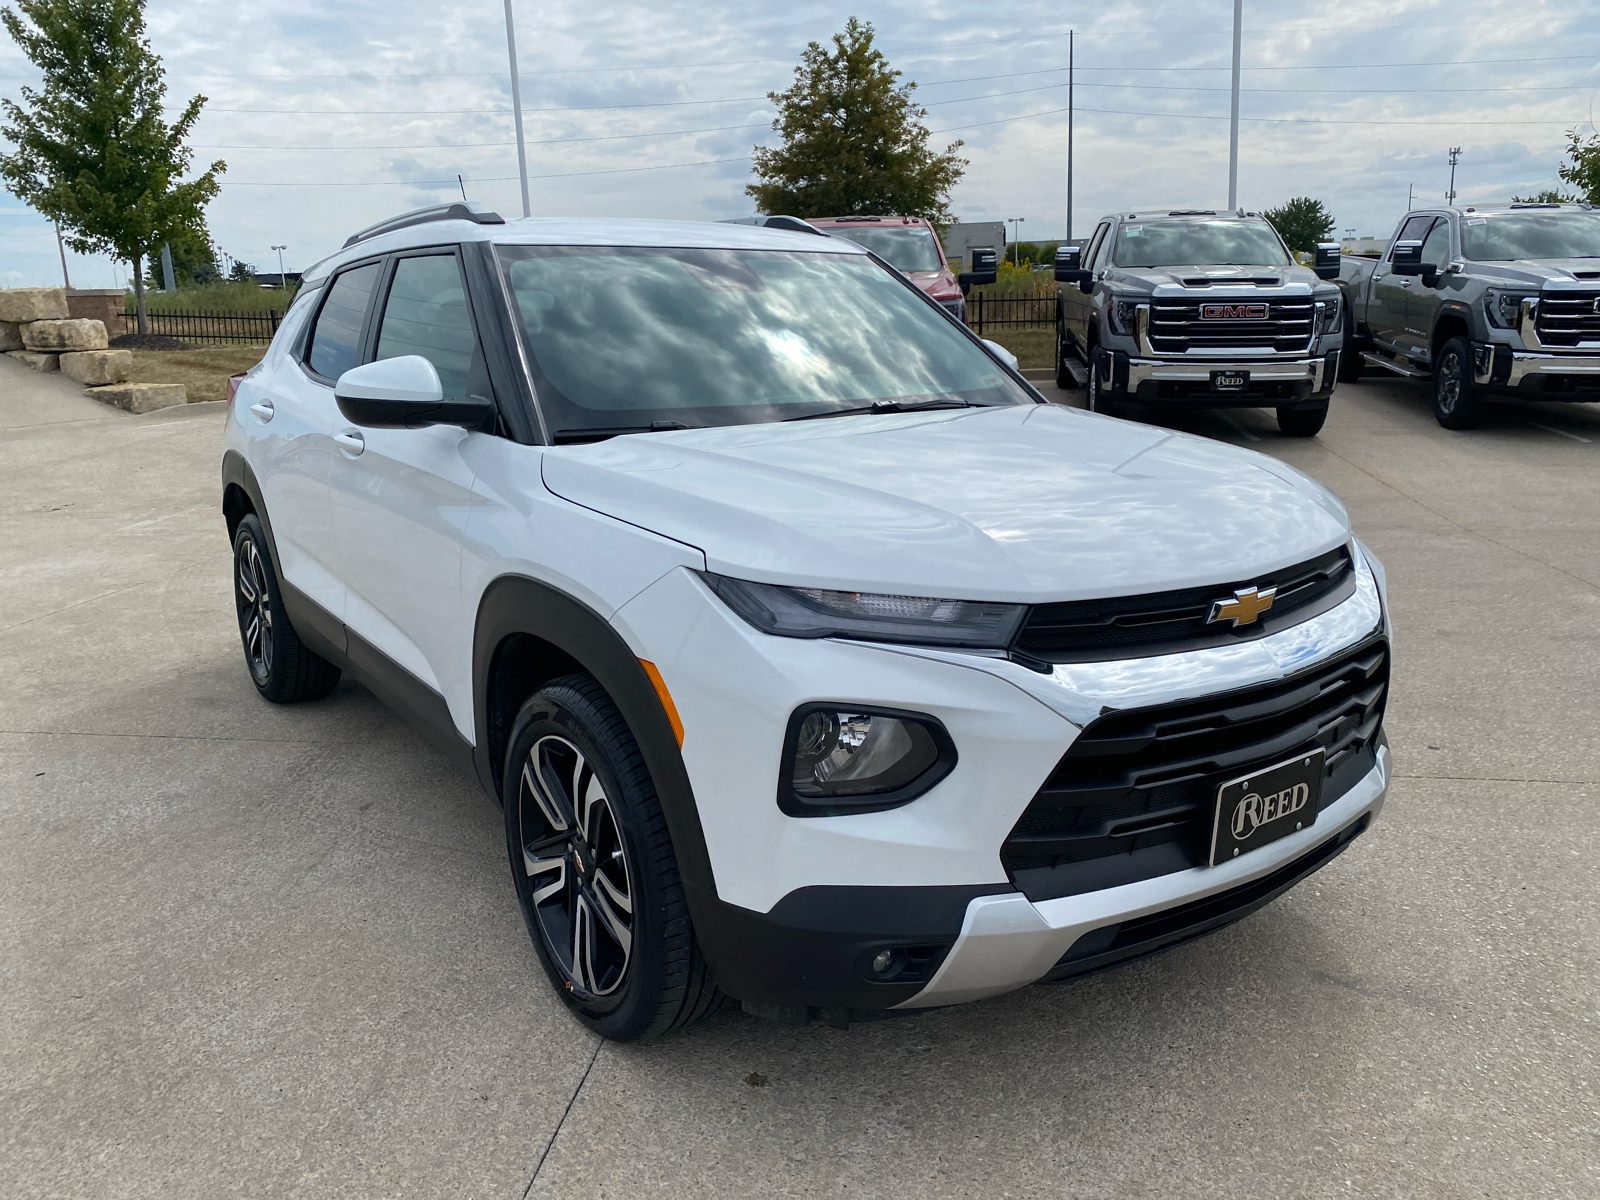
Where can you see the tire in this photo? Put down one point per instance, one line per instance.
(594, 869)
(283, 668)
(1094, 392)
(1065, 380)
(1454, 405)
(1303, 422)
(1351, 363)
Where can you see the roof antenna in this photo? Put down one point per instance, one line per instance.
(462, 184)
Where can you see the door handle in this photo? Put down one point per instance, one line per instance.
(263, 409)
(351, 442)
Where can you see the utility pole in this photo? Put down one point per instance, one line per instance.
(1233, 126)
(1455, 155)
(1072, 35)
(61, 247)
(516, 109)
(283, 280)
(1409, 186)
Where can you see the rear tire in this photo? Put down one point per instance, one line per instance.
(1065, 380)
(1351, 363)
(283, 669)
(1303, 422)
(1454, 404)
(594, 870)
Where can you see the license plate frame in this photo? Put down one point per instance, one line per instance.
(1257, 809)
(1230, 381)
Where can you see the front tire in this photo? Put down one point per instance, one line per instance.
(1454, 404)
(594, 869)
(1303, 422)
(281, 666)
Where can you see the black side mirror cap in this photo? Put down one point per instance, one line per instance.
(1327, 262)
(1406, 258)
(984, 269)
(1069, 264)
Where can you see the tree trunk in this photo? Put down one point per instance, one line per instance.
(138, 293)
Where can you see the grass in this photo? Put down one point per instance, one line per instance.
(218, 297)
(1033, 347)
(203, 372)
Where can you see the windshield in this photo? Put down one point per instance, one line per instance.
(627, 338)
(1187, 243)
(1497, 236)
(904, 247)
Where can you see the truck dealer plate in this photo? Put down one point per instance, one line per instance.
(1229, 381)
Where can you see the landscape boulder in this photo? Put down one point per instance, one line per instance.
(141, 397)
(94, 367)
(21, 305)
(10, 336)
(57, 336)
(38, 362)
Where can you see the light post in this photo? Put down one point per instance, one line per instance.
(283, 280)
(1233, 120)
(516, 108)
(1016, 236)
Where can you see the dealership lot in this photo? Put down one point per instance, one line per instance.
(275, 951)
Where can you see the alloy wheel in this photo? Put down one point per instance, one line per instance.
(255, 610)
(580, 888)
(1449, 385)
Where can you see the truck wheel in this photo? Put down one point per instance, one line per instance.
(1065, 380)
(1303, 422)
(1095, 399)
(1454, 405)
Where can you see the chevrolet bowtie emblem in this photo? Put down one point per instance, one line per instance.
(1243, 608)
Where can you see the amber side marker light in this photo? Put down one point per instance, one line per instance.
(666, 699)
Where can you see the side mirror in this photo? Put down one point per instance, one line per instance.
(1000, 352)
(1327, 263)
(1406, 258)
(1069, 264)
(985, 269)
(404, 393)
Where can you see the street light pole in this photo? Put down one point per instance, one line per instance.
(283, 279)
(1233, 122)
(1016, 231)
(516, 109)
(1072, 35)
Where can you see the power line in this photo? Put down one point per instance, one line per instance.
(710, 162)
(614, 137)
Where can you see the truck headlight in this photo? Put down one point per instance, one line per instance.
(1121, 314)
(843, 759)
(1329, 314)
(1503, 308)
(871, 616)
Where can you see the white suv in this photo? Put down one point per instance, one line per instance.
(815, 660)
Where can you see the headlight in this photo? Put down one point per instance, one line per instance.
(1122, 314)
(1503, 307)
(839, 759)
(1329, 313)
(820, 613)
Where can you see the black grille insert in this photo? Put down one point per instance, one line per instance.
(1134, 795)
(1169, 622)
(1567, 318)
(1178, 324)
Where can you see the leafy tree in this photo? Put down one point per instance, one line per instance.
(853, 140)
(242, 272)
(1583, 172)
(92, 150)
(1548, 196)
(194, 259)
(1302, 223)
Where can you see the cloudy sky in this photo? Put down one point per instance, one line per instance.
(333, 115)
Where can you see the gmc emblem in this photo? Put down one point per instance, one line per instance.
(1233, 312)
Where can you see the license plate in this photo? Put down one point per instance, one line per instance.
(1229, 381)
(1265, 806)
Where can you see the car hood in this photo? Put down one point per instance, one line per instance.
(1581, 273)
(1028, 503)
(1150, 278)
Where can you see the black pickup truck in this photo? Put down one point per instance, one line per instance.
(1489, 303)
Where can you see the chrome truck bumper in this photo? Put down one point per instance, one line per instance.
(1502, 366)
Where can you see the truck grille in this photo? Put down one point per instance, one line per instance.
(1170, 622)
(1568, 318)
(1177, 325)
(1135, 794)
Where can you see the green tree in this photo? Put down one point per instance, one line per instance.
(91, 149)
(194, 259)
(1583, 172)
(853, 140)
(1548, 196)
(1302, 223)
(242, 272)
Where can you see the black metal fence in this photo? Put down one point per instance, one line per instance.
(1029, 312)
(208, 326)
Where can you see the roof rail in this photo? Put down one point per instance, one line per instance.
(776, 222)
(460, 210)
(1196, 212)
(1533, 204)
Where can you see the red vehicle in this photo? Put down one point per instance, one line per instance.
(909, 245)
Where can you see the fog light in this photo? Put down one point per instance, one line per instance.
(843, 759)
(883, 962)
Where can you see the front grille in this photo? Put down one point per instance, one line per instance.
(1176, 325)
(1567, 318)
(1168, 622)
(1135, 794)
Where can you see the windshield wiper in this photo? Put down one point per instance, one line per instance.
(601, 432)
(882, 406)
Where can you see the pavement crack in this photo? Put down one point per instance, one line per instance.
(599, 1044)
(1494, 779)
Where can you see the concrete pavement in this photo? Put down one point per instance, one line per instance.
(260, 951)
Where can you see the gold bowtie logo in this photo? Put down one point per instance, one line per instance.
(1246, 605)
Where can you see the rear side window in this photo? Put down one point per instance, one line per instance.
(427, 314)
(335, 342)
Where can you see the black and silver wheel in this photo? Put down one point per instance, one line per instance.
(1303, 422)
(283, 669)
(1065, 379)
(594, 868)
(1094, 391)
(1454, 405)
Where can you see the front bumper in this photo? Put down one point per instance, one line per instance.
(1277, 382)
(1538, 371)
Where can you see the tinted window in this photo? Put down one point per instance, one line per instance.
(335, 341)
(1414, 230)
(1189, 242)
(1436, 246)
(903, 247)
(619, 336)
(1094, 245)
(1531, 235)
(426, 313)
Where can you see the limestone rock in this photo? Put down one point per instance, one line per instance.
(20, 305)
(141, 397)
(57, 336)
(94, 367)
(39, 362)
(10, 336)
